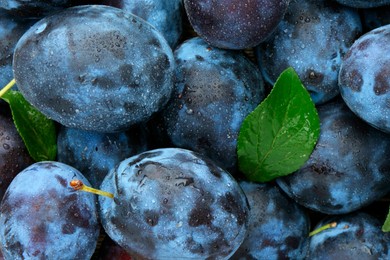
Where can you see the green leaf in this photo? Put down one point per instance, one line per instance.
(37, 131)
(386, 225)
(278, 137)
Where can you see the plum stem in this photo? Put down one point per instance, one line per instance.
(7, 87)
(324, 227)
(79, 185)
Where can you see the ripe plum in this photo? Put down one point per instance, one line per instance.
(172, 203)
(42, 217)
(96, 68)
(235, 24)
(215, 90)
(364, 78)
(312, 38)
(14, 156)
(278, 227)
(166, 16)
(348, 168)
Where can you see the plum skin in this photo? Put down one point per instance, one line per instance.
(232, 24)
(95, 68)
(357, 235)
(278, 227)
(313, 38)
(348, 168)
(43, 217)
(363, 78)
(215, 90)
(172, 202)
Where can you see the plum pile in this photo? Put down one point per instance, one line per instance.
(148, 98)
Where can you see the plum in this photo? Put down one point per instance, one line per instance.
(166, 16)
(215, 90)
(94, 67)
(356, 236)
(41, 217)
(95, 154)
(364, 78)
(173, 203)
(312, 38)
(37, 9)
(235, 24)
(349, 167)
(278, 227)
(14, 156)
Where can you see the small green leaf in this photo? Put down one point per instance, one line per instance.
(37, 131)
(386, 225)
(278, 137)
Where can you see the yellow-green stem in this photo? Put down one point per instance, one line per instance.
(320, 229)
(7, 87)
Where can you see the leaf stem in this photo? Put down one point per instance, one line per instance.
(7, 87)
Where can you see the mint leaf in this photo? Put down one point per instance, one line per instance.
(37, 131)
(278, 137)
(386, 225)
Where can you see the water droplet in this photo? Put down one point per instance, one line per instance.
(165, 201)
(6, 146)
(189, 111)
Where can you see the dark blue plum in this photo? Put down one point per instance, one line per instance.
(95, 154)
(172, 203)
(37, 9)
(278, 227)
(349, 167)
(215, 90)
(235, 24)
(96, 68)
(312, 38)
(166, 16)
(357, 236)
(11, 29)
(14, 156)
(364, 78)
(42, 217)
(364, 3)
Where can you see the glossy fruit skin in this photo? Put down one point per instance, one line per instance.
(363, 79)
(278, 227)
(37, 9)
(357, 236)
(95, 68)
(215, 90)
(14, 156)
(172, 203)
(234, 24)
(312, 38)
(348, 168)
(166, 16)
(42, 217)
(95, 154)
(364, 3)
